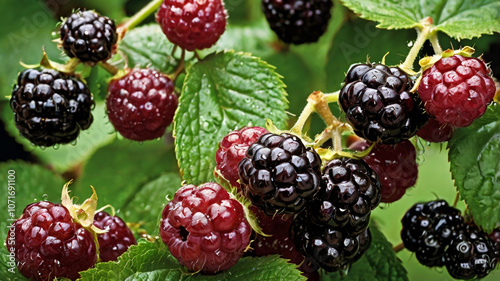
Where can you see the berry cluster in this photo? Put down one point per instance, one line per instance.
(379, 105)
(439, 236)
(50, 107)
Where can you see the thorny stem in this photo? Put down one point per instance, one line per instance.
(138, 17)
(113, 70)
(423, 35)
(435, 43)
(398, 247)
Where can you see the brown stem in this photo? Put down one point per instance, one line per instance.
(180, 67)
(398, 247)
(457, 198)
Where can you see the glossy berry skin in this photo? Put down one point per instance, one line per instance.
(330, 247)
(118, 238)
(50, 107)
(436, 132)
(456, 90)
(298, 21)
(279, 174)
(470, 255)
(395, 165)
(429, 228)
(192, 24)
(141, 104)
(204, 228)
(349, 191)
(88, 36)
(379, 105)
(233, 148)
(49, 244)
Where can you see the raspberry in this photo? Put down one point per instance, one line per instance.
(50, 107)
(88, 36)
(330, 247)
(436, 132)
(118, 238)
(204, 228)
(141, 104)
(192, 24)
(471, 254)
(233, 148)
(395, 165)
(298, 21)
(379, 105)
(429, 228)
(279, 174)
(456, 90)
(49, 244)
(349, 191)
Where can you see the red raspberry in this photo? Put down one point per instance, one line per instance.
(141, 104)
(395, 166)
(118, 238)
(456, 90)
(204, 228)
(192, 24)
(436, 132)
(48, 243)
(233, 148)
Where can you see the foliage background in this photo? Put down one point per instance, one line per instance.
(132, 176)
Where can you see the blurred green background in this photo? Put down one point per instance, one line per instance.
(27, 26)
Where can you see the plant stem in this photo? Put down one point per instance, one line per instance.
(398, 247)
(457, 198)
(423, 34)
(303, 117)
(113, 70)
(435, 43)
(180, 67)
(139, 16)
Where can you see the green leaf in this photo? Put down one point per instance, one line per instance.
(153, 261)
(221, 93)
(457, 18)
(147, 46)
(118, 171)
(147, 204)
(474, 153)
(379, 263)
(64, 157)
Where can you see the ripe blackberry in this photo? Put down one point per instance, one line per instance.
(395, 165)
(50, 107)
(49, 244)
(141, 104)
(298, 21)
(330, 247)
(233, 148)
(470, 255)
(118, 238)
(428, 229)
(192, 24)
(495, 237)
(279, 174)
(379, 105)
(349, 191)
(204, 228)
(435, 131)
(88, 36)
(456, 90)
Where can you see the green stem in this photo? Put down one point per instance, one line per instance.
(140, 16)
(332, 97)
(303, 117)
(423, 35)
(113, 70)
(435, 43)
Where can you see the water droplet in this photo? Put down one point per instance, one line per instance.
(45, 197)
(410, 44)
(56, 146)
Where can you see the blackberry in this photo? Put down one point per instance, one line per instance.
(192, 24)
(204, 229)
(456, 90)
(379, 105)
(470, 255)
(298, 21)
(330, 247)
(141, 105)
(279, 174)
(428, 229)
(349, 191)
(88, 36)
(50, 107)
(49, 244)
(118, 238)
(232, 148)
